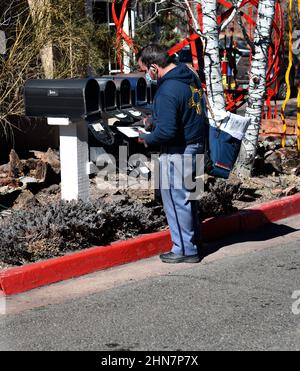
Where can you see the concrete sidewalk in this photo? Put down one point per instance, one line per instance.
(238, 298)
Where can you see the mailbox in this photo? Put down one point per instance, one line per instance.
(124, 99)
(139, 95)
(123, 90)
(67, 103)
(138, 90)
(108, 94)
(72, 98)
(108, 101)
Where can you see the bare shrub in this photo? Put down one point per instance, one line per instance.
(52, 230)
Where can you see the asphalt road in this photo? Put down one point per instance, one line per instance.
(238, 298)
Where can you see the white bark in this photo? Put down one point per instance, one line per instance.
(192, 10)
(257, 85)
(212, 70)
(41, 18)
(236, 5)
(126, 47)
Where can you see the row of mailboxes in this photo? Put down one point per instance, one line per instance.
(138, 84)
(76, 98)
(136, 87)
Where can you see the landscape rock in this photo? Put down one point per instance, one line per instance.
(4, 169)
(9, 183)
(290, 191)
(273, 160)
(277, 192)
(25, 200)
(16, 167)
(50, 157)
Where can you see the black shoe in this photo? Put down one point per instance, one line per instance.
(170, 257)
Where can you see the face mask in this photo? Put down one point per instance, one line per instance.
(148, 77)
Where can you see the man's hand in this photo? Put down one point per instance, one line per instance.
(141, 139)
(148, 123)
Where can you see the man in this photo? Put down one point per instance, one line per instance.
(178, 126)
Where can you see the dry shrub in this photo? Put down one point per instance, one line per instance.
(218, 200)
(55, 229)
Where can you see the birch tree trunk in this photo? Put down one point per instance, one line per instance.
(257, 85)
(212, 70)
(41, 17)
(236, 4)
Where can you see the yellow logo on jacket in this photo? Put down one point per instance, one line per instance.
(195, 100)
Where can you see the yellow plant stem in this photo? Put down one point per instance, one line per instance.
(287, 75)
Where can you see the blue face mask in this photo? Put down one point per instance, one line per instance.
(148, 77)
(154, 73)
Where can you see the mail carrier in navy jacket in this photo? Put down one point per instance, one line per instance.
(178, 110)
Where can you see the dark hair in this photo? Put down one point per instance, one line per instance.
(154, 54)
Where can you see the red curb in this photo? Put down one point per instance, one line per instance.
(30, 276)
(20, 279)
(269, 212)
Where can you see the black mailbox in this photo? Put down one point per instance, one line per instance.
(123, 93)
(123, 90)
(73, 98)
(108, 94)
(138, 90)
(108, 101)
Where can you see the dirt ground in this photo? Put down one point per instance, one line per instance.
(263, 189)
(251, 191)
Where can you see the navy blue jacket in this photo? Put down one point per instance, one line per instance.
(178, 109)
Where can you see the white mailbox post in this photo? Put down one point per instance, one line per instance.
(74, 158)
